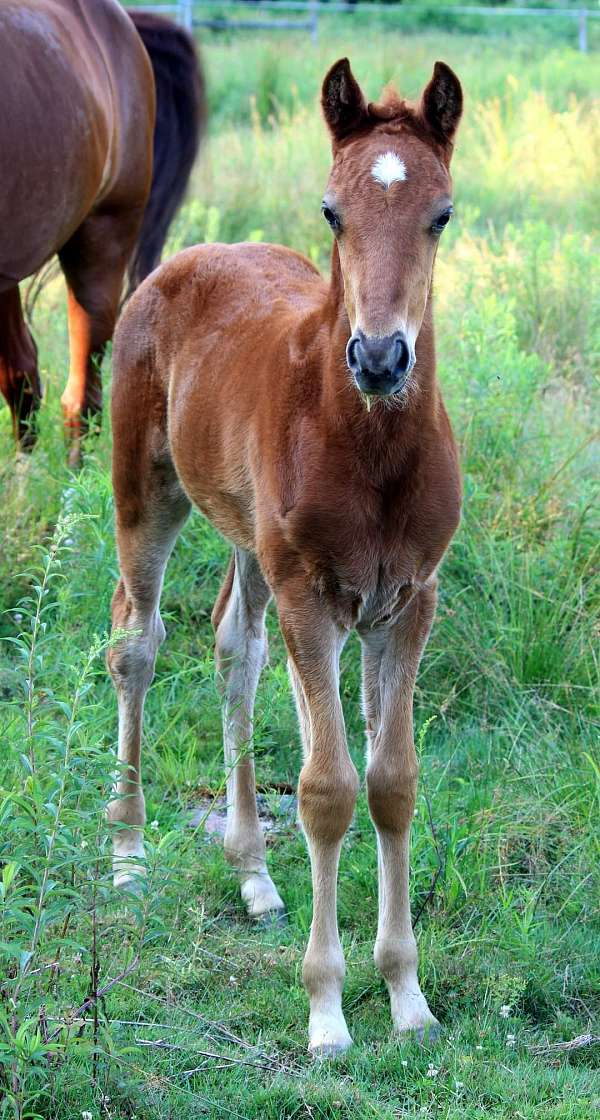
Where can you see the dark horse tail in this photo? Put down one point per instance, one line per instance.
(180, 119)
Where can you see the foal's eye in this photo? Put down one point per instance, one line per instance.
(441, 221)
(331, 218)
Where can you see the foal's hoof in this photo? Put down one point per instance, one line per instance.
(429, 1034)
(425, 1035)
(329, 1051)
(329, 1037)
(270, 919)
(129, 879)
(261, 897)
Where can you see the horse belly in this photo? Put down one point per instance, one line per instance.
(231, 515)
(225, 503)
(53, 138)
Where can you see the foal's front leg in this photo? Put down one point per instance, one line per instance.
(390, 662)
(327, 795)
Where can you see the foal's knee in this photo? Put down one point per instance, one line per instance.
(391, 792)
(327, 796)
(243, 649)
(131, 659)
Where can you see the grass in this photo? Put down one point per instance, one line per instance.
(203, 1015)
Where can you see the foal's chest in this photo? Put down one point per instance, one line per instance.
(353, 561)
(368, 549)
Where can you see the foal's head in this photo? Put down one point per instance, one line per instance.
(388, 199)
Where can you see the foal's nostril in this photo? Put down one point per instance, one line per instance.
(403, 359)
(351, 355)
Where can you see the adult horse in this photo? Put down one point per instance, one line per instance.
(240, 380)
(88, 93)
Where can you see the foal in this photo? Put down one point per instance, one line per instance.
(305, 421)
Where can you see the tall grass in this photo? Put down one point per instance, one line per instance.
(168, 1004)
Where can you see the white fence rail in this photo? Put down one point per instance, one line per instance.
(188, 13)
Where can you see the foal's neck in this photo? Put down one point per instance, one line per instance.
(389, 430)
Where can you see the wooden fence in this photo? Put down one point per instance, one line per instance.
(192, 13)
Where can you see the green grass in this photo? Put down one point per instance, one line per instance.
(211, 1019)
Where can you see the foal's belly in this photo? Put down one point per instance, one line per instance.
(212, 471)
(230, 514)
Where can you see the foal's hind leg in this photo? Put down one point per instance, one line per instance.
(390, 662)
(150, 510)
(94, 262)
(19, 377)
(241, 653)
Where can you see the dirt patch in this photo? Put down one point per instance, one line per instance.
(277, 812)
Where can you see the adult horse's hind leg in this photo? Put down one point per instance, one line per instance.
(94, 262)
(390, 661)
(150, 510)
(19, 377)
(241, 653)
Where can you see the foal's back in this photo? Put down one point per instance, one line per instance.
(209, 289)
(227, 325)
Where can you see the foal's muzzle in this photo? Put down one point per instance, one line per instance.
(380, 366)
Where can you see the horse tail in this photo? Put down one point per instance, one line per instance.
(180, 120)
(19, 377)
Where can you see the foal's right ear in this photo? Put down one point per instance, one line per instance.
(344, 106)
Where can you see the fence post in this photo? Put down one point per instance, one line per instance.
(583, 39)
(314, 21)
(186, 14)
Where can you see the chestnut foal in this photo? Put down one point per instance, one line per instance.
(305, 421)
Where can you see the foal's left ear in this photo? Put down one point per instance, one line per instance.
(344, 106)
(442, 102)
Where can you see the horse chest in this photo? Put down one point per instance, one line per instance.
(358, 562)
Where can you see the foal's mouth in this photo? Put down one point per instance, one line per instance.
(398, 399)
(381, 390)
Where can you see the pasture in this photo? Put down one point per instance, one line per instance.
(172, 1004)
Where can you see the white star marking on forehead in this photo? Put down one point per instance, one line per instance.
(388, 169)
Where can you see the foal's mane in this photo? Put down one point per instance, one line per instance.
(399, 115)
(395, 115)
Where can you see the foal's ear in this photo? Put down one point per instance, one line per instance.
(344, 106)
(442, 102)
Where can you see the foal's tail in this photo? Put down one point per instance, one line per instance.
(180, 119)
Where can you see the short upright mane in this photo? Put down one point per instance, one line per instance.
(392, 106)
(398, 115)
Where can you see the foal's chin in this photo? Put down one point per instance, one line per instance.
(397, 400)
